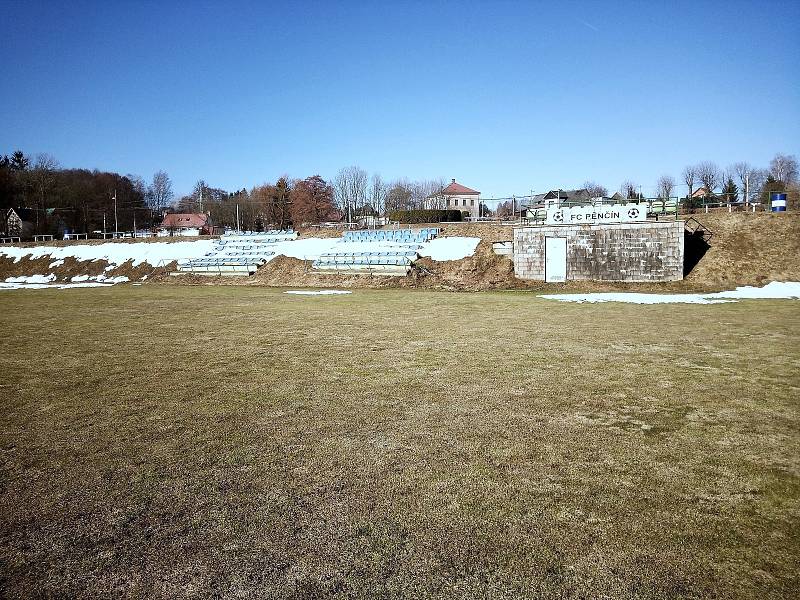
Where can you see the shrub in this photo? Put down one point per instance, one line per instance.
(425, 216)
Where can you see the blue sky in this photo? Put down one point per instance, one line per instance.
(507, 97)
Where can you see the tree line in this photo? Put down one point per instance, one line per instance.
(739, 182)
(55, 199)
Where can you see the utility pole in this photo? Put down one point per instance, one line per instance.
(238, 228)
(201, 197)
(747, 189)
(116, 222)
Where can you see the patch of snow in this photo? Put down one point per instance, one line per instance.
(99, 278)
(31, 279)
(305, 249)
(143, 278)
(56, 263)
(317, 292)
(51, 286)
(116, 253)
(776, 290)
(40, 282)
(450, 248)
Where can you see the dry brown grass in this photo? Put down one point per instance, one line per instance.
(172, 441)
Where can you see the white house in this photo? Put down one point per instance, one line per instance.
(456, 197)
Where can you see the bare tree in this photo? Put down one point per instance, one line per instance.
(399, 195)
(784, 168)
(137, 184)
(377, 193)
(689, 175)
(709, 175)
(629, 189)
(743, 172)
(595, 189)
(665, 186)
(422, 190)
(43, 176)
(758, 178)
(160, 192)
(350, 187)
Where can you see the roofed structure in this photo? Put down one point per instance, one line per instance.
(456, 189)
(456, 197)
(185, 220)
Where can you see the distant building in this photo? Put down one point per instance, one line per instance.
(456, 197)
(700, 192)
(581, 197)
(186, 224)
(18, 222)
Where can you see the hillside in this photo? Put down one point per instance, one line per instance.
(746, 249)
(749, 249)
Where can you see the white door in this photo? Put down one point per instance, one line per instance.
(555, 259)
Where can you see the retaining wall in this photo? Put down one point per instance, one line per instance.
(651, 251)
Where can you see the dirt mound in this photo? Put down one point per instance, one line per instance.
(319, 232)
(749, 249)
(486, 231)
(283, 271)
(484, 270)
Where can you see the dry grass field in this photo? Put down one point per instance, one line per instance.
(176, 441)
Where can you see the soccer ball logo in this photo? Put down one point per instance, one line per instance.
(558, 216)
(633, 213)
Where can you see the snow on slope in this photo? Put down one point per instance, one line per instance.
(775, 290)
(158, 253)
(115, 253)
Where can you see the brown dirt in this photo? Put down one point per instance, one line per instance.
(73, 267)
(319, 232)
(749, 249)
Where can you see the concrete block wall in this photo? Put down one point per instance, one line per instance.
(651, 251)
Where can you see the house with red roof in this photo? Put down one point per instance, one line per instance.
(456, 197)
(188, 224)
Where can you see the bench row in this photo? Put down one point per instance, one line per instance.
(362, 260)
(397, 235)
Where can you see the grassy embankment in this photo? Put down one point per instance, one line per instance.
(177, 441)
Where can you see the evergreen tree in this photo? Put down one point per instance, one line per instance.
(730, 191)
(280, 203)
(771, 185)
(19, 162)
